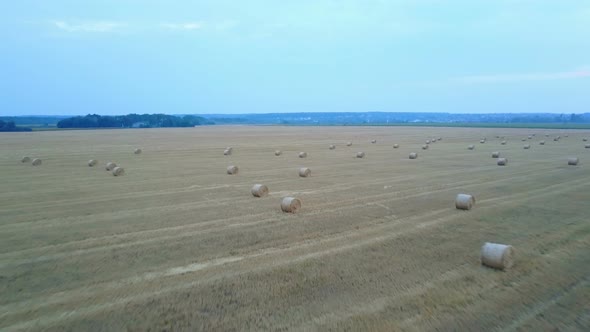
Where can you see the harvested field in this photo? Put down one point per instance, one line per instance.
(177, 244)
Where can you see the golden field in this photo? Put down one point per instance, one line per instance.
(177, 244)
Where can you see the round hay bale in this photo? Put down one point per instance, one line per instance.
(118, 171)
(573, 161)
(482, 141)
(496, 154)
(503, 143)
(433, 140)
(229, 148)
(232, 170)
(332, 147)
(290, 204)
(527, 146)
(498, 256)
(464, 201)
(137, 151)
(427, 141)
(360, 154)
(524, 139)
(302, 154)
(395, 146)
(25, 159)
(278, 152)
(556, 139)
(36, 162)
(546, 135)
(530, 137)
(373, 141)
(259, 190)
(587, 146)
(348, 143)
(440, 138)
(584, 139)
(92, 162)
(502, 161)
(471, 147)
(413, 155)
(304, 172)
(425, 147)
(497, 136)
(566, 135)
(227, 152)
(110, 166)
(542, 143)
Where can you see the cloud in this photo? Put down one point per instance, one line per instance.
(182, 26)
(523, 77)
(90, 26)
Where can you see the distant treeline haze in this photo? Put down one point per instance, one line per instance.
(132, 121)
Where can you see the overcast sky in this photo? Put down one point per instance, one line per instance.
(231, 56)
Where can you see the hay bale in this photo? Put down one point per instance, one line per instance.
(332, 147)
(427, 141)
(232, 170)
(304, 172)
(482, 141)
(227, 152)
(556, 139)
(573, 161)
(566, 135)
(502, 161)
(360, 154)
(587, 146)
(464, 201)
(503, 143)
(413, 155)
(36, 162)
(395, 146)
(229, 148)
(546, 135)
(542, 143)
(530, 137)
(92, 162)
(524, 139)
(527, 146)
(373, 141)
(25, 159)
(425, 147)
(278, 152)
(348, 143)
(137, 151)
(498, 256)
(118, 171)
(290, 204)
(259, 190)
(110, 166)
(302, 154)
(440, 138)
(584, 139)
(432, 141)
(471, 147)
(496, 154)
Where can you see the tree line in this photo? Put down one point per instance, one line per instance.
(132, 121)
(10, 126)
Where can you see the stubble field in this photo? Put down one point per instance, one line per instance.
(177, 244)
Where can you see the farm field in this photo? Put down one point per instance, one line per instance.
(178, 244)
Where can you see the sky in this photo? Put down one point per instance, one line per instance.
(74, 57)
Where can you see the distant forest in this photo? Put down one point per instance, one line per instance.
(521, 120)
(132, 121)
(10, 126)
